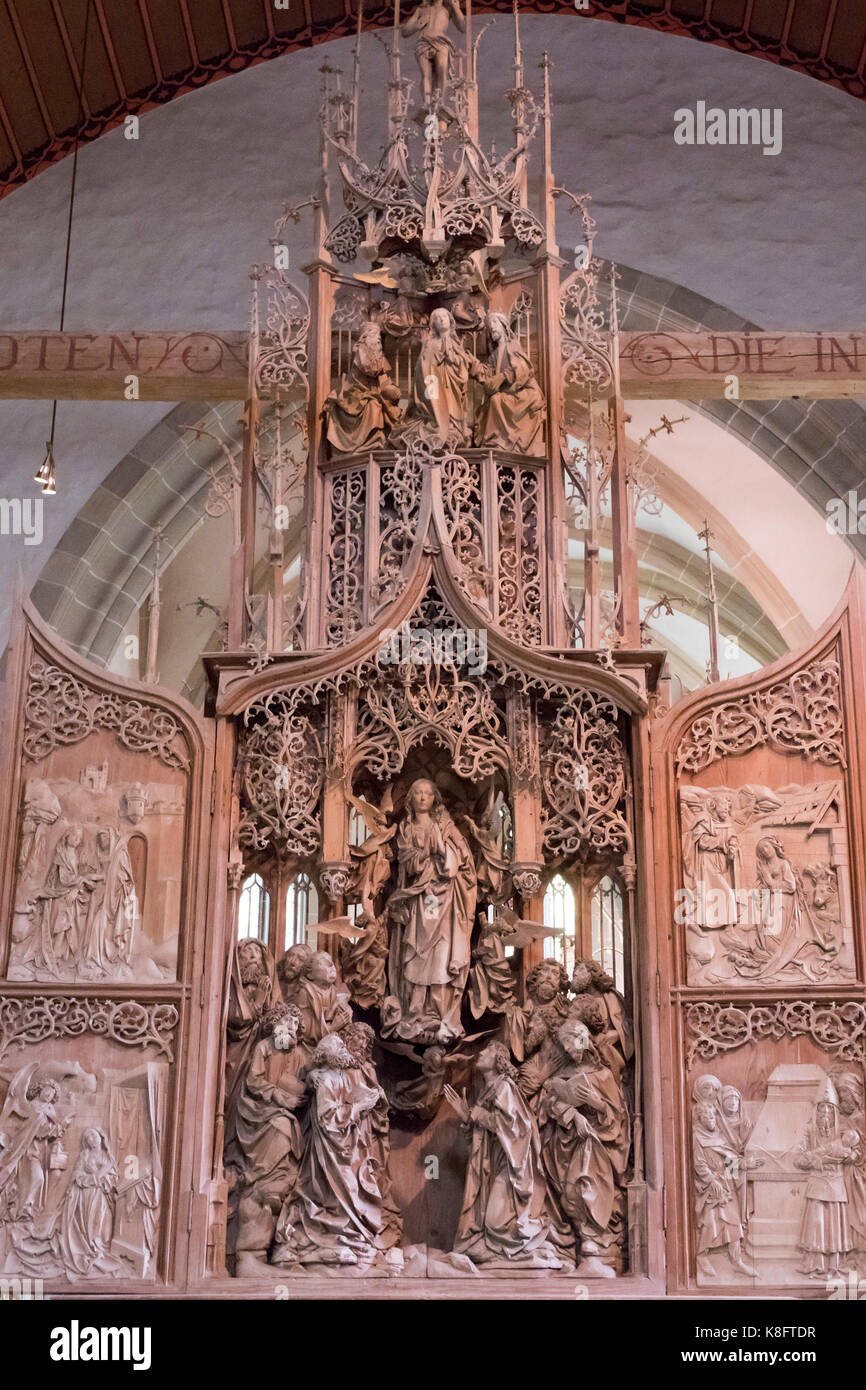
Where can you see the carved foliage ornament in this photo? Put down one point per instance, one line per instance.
(802, 714)
(59, 710)
(131, 1022)
(281, 770)
(282, 358)
(584, 778)
(837, 1028)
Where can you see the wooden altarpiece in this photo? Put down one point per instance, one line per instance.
(431, 729)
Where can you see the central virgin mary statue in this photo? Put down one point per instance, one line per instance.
(431, 914)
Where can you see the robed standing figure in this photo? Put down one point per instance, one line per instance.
(431, 911)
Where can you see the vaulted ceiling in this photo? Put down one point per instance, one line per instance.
(142, 53)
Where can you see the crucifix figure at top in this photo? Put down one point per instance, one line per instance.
(434, 48)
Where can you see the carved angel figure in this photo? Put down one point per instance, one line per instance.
(512, 413)
(366, 407)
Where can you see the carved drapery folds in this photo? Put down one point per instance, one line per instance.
(584, 778)
(720, 1027)
(61, 709)
(131, 1022)
(281, 772)
(802, 714)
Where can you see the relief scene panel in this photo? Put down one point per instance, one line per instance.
(766, 895)
(99, 874)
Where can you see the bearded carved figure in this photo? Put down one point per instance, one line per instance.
(366, 407)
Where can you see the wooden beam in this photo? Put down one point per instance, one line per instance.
(767, 366)
(171, 366)
(202, 365)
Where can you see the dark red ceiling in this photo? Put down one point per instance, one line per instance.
(144, 52)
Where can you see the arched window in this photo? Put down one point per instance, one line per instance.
(606, 916)
(302, 908)
(559, 912)
(254, 909)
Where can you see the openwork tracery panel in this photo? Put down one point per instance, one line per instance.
(281, 771)
(61, 709)
(399, 499)
(584, 779)
(519, 500)
(802, 714)
(346, 552)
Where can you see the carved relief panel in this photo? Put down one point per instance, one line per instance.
(762, 888)
(84, 1100)
(778, 1146)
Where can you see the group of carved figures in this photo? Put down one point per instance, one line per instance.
(308, 1124)
(58, 1217)
(81, 923)
(832, 1152)
(365, 411)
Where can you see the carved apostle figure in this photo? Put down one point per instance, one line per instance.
(359, 1039)
(512, 413)
(252, 990)
(827, 1149)
(322, 1001)
(589, 979)
(366, 407)
(505, 1218)
(544, 1013)
(266, 1149)
(585, 1140)
(289, 969)
(438, 399)
(336, 1216)
(432, 912)
(434, 50)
